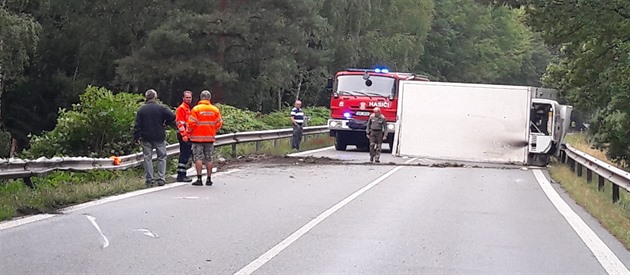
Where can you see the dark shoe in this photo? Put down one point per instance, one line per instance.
(198, 182)
(208, 182)
(149, 183)
(160, 182)
(377, 161)
(184, 179)
(371, 159)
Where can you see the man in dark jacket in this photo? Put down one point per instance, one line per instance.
(150, 128)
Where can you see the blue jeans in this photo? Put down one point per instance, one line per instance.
(147, 152)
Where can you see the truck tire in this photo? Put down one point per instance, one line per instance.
(340, 143)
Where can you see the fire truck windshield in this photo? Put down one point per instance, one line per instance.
(374, 86)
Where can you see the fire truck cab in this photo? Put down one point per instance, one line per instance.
(354, 93)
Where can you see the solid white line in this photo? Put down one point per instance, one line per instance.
(93, 221)
(22, 221)
(604, 255)
(40, 217)
(310, 152)
(263, 259)
(131, 194)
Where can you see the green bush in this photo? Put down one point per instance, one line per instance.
(101, 125)
(281, 119)
(237, 120)
(319, 115)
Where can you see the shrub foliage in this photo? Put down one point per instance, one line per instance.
(101, 125)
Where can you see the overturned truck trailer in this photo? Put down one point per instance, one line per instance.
(479, 123)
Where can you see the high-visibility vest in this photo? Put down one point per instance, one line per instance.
(181, 118)
(204, 122)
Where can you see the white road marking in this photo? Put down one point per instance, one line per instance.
(263, 259)
(310, 152)
(131, 194)
(147, 232)
(40, 217)
(22, 221)
(604, 255)
(93, 221)
(188, 198)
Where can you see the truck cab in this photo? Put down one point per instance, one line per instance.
(549, 123)
(354, 93)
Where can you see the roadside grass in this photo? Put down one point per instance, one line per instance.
(580, 141)
(62, 189)
(615, 217)
(275, 148)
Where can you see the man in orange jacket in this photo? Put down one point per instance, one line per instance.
(185, 148)
(203, 124)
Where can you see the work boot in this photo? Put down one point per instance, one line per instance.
(198, 182)
(208, 181)
(183, 179)
(377, 160)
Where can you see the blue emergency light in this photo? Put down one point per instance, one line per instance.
(347, 115)
(376, 70)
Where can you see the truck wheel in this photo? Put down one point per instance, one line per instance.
(340, 143)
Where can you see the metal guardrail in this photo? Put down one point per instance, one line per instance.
(15, 168)
(579, 160)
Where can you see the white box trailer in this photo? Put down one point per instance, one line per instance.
(464, 122)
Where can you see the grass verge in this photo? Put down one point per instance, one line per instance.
(615, 217)
(580, 141)
(61, 189)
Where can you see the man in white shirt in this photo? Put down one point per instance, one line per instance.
(297, 118)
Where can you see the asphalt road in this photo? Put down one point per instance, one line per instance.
(296, 218)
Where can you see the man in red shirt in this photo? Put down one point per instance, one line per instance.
(185, 148)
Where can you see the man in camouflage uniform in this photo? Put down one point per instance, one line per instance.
(376, 132)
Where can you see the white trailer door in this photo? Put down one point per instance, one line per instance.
(465, 122)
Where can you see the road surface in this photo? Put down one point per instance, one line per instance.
(292, 217)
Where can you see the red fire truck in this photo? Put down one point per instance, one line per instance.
(354, 93)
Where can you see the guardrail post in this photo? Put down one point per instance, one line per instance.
(589, 175)
(563, 156)
(615, 195)
(571, 164)
(601, 183)
(28, 182)
(257, 146)
(579, 170)
(234, 149)
(275, 143)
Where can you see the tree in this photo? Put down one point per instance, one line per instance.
(368, 33)
(593, 38)
(19, 34)
(470, 42)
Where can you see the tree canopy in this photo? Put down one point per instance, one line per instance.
(256, 55)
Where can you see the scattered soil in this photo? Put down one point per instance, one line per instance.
(275, 161)
(270, 161)
(446, 164)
